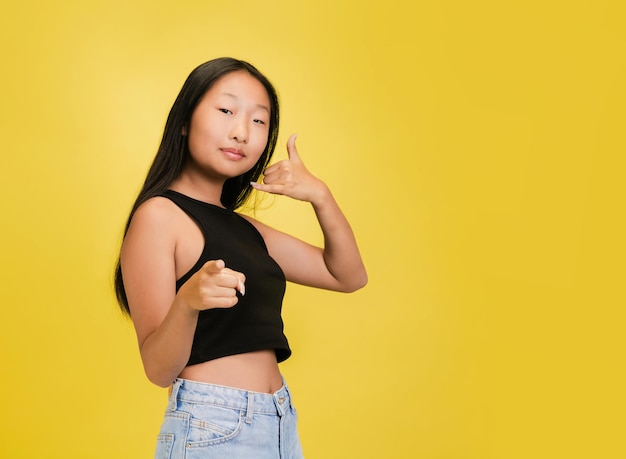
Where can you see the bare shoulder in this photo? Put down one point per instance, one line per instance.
(152, 229)
(157, 210)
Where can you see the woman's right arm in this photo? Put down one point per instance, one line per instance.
(165, 321)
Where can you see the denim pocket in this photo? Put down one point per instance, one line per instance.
(164, 446)
(210, 425)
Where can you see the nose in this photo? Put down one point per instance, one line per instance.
(239, 130)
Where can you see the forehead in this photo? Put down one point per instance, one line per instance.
(240, 86)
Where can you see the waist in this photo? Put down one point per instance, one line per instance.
(186, 391)
(252, 371)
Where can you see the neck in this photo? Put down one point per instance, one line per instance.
(199, 188)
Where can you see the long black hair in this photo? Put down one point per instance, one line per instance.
(173, 151)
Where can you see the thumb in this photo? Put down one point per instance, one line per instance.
(213, 266)
(292, 151)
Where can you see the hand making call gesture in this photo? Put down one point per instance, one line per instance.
(291, 178)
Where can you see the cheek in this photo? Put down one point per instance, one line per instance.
(260, 141)
(193, 141)
(258, 150)
(199, 134)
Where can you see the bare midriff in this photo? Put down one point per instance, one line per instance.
(254, 371)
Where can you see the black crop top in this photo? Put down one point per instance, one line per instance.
(255, 322)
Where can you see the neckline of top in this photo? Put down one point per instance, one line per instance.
(204, 203)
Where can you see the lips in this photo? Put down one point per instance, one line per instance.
(233, 153)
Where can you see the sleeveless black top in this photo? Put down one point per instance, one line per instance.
(255, 322)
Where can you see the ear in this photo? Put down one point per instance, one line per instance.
(184, 131)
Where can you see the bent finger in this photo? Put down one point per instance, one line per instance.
(222, 302)
(273, 189)
(238, 280)
(275, 167)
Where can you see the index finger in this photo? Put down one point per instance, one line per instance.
(213, 266)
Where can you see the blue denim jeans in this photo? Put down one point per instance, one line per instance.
(208, 421)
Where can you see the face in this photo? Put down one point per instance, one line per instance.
(229, 128)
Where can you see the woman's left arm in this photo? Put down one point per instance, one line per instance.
(338, 266)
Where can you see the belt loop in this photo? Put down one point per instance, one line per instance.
(288, 393)
(172, 404)
(249, 408)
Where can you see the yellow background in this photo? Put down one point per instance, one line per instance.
(477, 148)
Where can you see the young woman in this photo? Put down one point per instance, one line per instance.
(204, 285)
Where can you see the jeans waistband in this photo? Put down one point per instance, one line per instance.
(184, 390)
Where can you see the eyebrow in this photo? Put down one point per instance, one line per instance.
(261, 106)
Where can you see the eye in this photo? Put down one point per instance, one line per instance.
(258, 121)
(225, 110)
